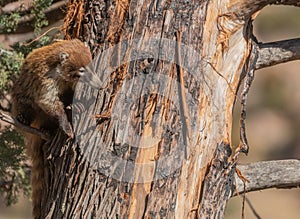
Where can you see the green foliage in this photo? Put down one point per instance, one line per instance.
(14, 173)
(8, 22)
(37, 11)
(11, 145)
(10, 63)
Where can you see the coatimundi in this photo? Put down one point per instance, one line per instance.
(43, 89)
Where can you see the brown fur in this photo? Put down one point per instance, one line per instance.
(44, 88)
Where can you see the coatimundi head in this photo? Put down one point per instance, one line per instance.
(75, 61)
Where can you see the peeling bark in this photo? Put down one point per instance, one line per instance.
(218, 185)
(154, 141)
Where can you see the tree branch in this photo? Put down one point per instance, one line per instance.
(53, 14)
(244, 9)
(21, 6)
(268, 174)
(5, 2)
(9, 119)
(278, 52)
(16, 6)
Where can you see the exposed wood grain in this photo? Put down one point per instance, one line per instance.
(143, 98)
(269, 174)
(136, 158)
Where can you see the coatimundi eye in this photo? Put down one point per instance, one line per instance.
(77, 73)
(81, 71)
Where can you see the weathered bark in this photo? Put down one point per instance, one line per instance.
(278, 52)
(154, 141)
(269, 174)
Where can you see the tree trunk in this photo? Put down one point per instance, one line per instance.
(154, 141)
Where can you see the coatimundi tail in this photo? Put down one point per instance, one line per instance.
(44, 88)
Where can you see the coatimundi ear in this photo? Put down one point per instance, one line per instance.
(63, 56)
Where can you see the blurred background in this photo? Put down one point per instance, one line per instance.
(273, 121)
(273, 118)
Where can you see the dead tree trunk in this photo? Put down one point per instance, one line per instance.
(155, 140)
